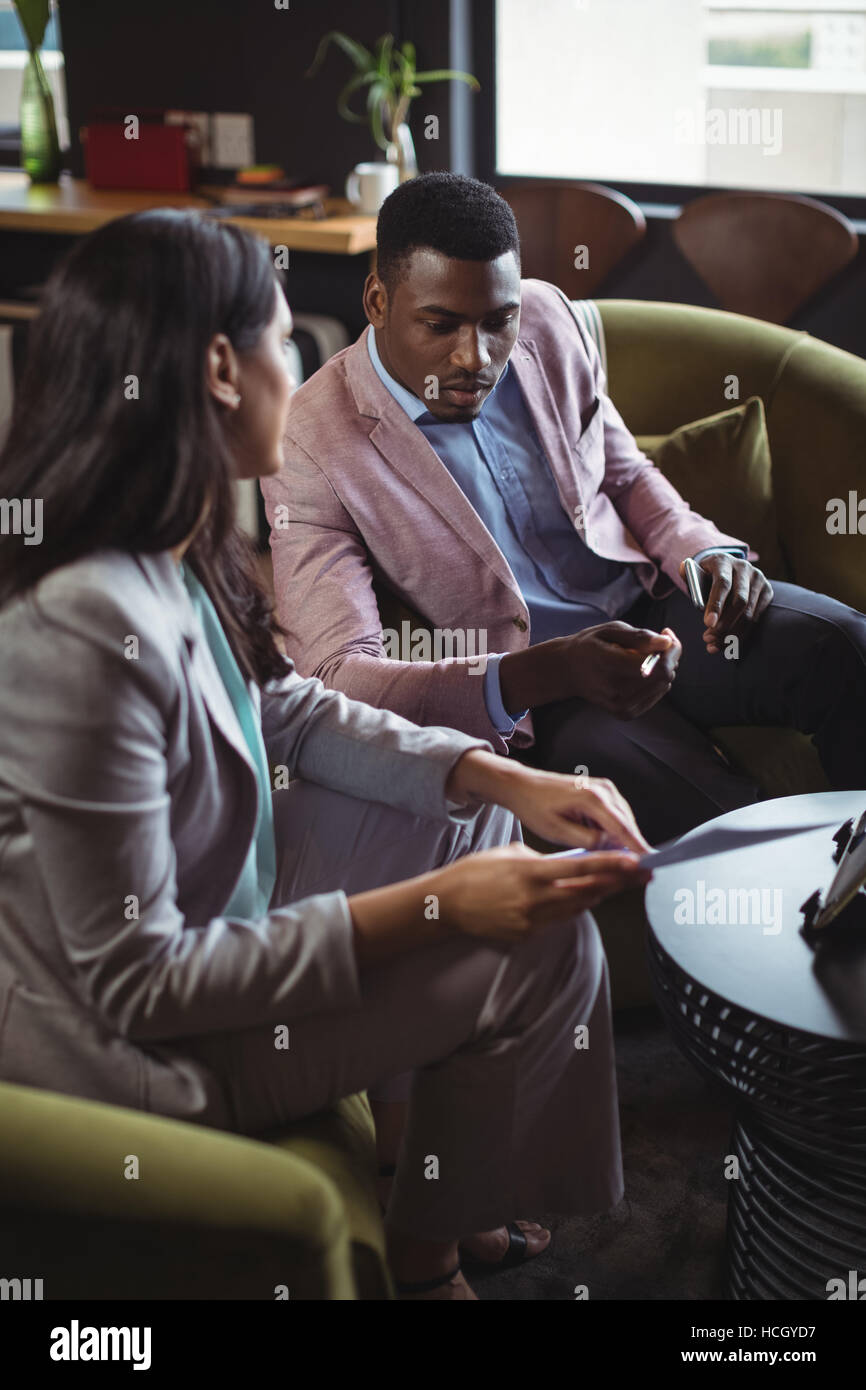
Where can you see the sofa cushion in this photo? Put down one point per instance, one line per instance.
(721, 465)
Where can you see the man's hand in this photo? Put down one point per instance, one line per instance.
(740, 593)
(601, 665)
(580, 812)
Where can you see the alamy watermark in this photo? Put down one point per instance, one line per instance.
(77, 1343)
(731, 907)
(733, 125)
(21, 1290)
(422, 644)
(846, 517)
(22, 517)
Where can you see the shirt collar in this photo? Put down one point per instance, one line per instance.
(412, 404)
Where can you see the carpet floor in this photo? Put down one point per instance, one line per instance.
(665, 1240)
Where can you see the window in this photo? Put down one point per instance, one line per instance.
(755, 94)
(13, 56)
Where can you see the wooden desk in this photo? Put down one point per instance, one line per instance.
(72, 207)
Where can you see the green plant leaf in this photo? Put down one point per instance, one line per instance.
(445, 74)
(359, 55)
(406, 72)
(409, 53)
(361, 79)
(385, 49)
(33, 15)
(376, 126)
(379, 92)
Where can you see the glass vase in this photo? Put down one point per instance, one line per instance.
(40, 148)
(407, 161)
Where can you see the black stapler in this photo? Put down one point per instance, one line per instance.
(844, 907)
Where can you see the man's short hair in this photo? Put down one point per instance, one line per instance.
(449, 213)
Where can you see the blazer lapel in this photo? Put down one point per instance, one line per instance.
(408, 452)
(219, 706)
(543, 411)
(162, 572)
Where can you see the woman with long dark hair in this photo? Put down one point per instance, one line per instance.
(197, 845)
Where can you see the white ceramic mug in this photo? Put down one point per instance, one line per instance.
(368, 186)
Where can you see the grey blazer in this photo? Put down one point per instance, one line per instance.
(127, 806)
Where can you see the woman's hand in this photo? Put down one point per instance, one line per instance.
(507, 893)
(581, 812)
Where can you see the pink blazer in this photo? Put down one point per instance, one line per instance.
(363, 496)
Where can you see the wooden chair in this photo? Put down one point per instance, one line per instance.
(764, 254)
(556, 219)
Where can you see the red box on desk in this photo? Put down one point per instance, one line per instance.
(158, 159)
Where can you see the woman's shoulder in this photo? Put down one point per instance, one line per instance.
(89, 612)
(90, 671)
(105, 587)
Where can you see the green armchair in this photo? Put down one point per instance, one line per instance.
(666, 366)
(202, 1214)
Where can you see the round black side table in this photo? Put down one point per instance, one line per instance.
(784, 1029)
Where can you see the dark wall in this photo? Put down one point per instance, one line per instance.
(245, 55)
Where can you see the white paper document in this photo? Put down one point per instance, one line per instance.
(713, 839)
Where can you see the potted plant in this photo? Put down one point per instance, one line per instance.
(392, 80)
(40, 147)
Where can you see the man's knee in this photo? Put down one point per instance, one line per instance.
(838, 627)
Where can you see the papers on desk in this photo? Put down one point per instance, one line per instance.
(720, 839)
(712, 839)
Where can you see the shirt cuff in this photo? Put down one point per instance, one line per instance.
(742, 551)
(501, 720)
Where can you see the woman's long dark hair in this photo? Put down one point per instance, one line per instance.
(114, 427)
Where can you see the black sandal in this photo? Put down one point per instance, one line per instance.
(514, 1255)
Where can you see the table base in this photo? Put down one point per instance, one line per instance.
(793, 1225)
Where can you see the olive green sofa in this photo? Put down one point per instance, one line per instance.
(101, 1202)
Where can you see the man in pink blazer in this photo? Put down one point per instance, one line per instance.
(464, 453)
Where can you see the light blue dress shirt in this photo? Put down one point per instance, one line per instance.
(252, 894)
(498, 463)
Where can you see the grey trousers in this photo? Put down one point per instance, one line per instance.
(512, 1087)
